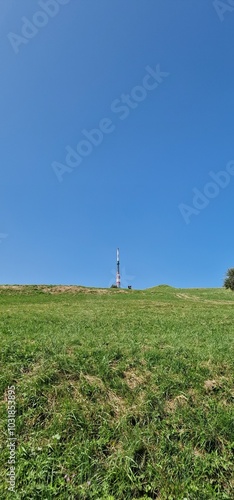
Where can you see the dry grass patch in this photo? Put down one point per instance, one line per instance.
(214, 384)
(172, 404)
(187, 297)
(193, 395)
(33, 371)
(74, 386)
(117, 403)
(61, 289)
(218, 302)
(198, 453)
(12, 287)
(132, 379)
(93, 380)
(208, 363)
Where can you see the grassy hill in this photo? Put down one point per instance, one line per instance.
(120, 394)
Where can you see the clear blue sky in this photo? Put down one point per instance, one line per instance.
(127, 191)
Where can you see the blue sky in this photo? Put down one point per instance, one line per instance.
(64, 78)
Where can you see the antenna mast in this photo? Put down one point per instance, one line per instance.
(118, 270)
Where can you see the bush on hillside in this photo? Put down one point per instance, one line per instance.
(229, 279)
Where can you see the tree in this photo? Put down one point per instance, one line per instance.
(229, 279)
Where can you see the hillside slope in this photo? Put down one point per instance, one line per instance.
(120, 394)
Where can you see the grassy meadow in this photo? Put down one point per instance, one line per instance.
(120, 394)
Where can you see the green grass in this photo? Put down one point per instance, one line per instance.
(120, 394)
